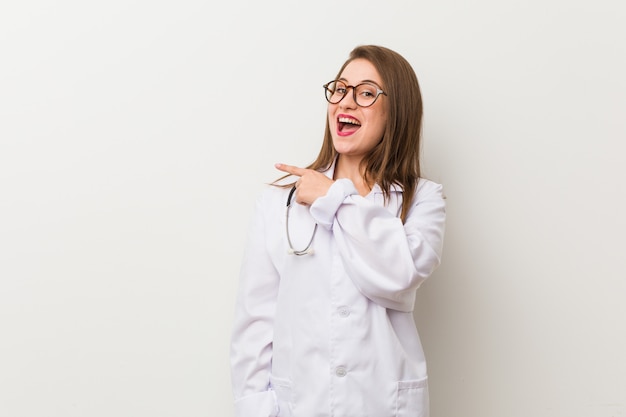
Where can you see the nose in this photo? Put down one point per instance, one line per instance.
(348, 101)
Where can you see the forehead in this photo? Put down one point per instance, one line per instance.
(360, 70)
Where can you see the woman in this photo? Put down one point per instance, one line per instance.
(324, 324)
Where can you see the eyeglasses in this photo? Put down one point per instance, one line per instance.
(364, 94)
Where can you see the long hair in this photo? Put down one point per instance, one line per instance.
(396, 158)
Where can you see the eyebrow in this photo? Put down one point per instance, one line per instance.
(363, 81)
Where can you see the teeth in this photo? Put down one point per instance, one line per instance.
(349, 120)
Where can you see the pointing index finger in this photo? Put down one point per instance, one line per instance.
(290, 169)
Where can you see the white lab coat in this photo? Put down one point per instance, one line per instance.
(332, 333)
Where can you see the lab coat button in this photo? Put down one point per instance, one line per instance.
(344, 312)
(340, 371)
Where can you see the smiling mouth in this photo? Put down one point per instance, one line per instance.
(347, 124)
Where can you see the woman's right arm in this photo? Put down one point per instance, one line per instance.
(252, 336)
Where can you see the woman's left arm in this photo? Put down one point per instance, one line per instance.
(386, 260)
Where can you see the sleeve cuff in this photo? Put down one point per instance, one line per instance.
(324, 208)
(261, 404)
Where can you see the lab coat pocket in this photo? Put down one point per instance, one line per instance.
(412, 398)
(282, 389)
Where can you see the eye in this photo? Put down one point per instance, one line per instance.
(367, 91)
(337, 89)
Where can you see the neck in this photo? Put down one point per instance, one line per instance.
(350, 168)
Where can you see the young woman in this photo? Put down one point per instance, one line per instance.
(323, 323)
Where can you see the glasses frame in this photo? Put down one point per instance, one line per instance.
(379, 91)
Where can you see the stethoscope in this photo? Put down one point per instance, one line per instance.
(306, 251)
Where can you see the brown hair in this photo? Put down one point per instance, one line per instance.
(396, 158)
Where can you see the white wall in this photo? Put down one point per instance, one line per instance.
(134, 137)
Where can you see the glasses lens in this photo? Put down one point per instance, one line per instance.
(366, 94)
(335, 91)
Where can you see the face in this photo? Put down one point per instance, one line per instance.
(356, 130)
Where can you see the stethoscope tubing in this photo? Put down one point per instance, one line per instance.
(307, 250)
